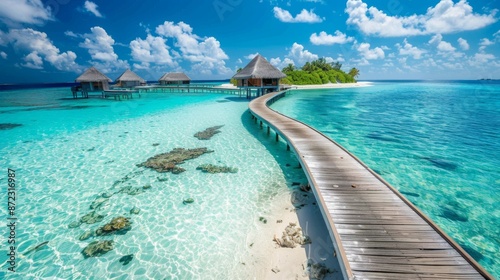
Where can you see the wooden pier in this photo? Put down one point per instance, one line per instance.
(119, 94)
(377, 232)
(190, 88)
(248, 92)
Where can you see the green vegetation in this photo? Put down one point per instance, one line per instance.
(234, 82)
(318, 72)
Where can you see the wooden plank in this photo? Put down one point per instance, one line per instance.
(415, 228)
(402, 252)
(401, 268)
(405, 276)
(424, 260)
(441, 244)
(345, 233)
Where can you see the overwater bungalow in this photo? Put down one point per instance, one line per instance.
(91, 80)
(129, 79)
(259, 74)
(175, 78)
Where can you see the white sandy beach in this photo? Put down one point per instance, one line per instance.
(332, 85)
(323, 86)
(269, 261)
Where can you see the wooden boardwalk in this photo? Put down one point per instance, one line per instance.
(378, 234)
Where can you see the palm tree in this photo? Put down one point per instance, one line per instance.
(289, 68)
(354, 72)
(308, 67)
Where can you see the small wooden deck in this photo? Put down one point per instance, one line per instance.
(378, 234)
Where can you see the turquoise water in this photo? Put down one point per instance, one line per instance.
(67, 152)
(437, 143)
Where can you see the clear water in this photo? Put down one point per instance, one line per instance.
(437, 143)
(67, 152)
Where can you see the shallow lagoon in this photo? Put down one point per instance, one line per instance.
(68, 152)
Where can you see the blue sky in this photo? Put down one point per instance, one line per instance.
(56, 40)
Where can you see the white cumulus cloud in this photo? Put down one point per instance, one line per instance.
(408, 49)
(370, 54)
(441, 45)
(280, 64)
(251, 56)
(300, 55)
(33, 61)
(464, 45)
(445, 17)
(3, 55)
(205, 54)
(153, 49)
(91, 7)
(326, 39)
(15, 12)
(486, 42)
(100, 48)
(304, 16)
(40, 49)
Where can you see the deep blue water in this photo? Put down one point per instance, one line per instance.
(438, 143)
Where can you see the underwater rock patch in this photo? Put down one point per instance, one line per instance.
(127, 177)
(5, 126)
(119, 225)
(210, 168)
(92, 218)
(316, 270)
(410, 193)
(75, 224)
(453, 214)
(135, 210)
(98, 202)
(292, 236)
(441, 163)
(188, 201)
(126, 259)
(131, 191)
(97, 248)
(86, 235)
(167, 162)
(106, 195)
(208, 133)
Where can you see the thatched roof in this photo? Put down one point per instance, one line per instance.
(129, 76)
(174, 76)
(93, 75)
(259, 68)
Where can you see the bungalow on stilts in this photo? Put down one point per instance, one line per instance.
(259, 74)
(91, 81)
(175, 79)
(129, 79)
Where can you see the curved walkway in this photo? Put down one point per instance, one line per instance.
(378, 234)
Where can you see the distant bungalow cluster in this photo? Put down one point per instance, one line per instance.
(259, 74)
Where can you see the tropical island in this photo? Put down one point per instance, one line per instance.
(317, 72)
